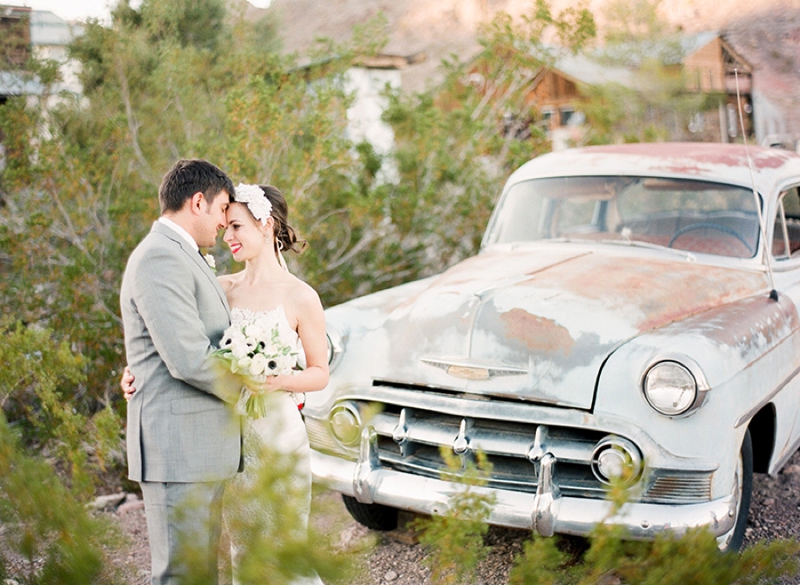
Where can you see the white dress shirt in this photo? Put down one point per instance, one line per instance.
(181, 232)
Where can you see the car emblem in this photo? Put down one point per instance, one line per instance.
(470, 370)
(468, 373)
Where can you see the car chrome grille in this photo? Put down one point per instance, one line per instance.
(505, 444)
(409, 441)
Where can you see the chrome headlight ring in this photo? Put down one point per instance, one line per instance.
(616, 459)
(674, 385)
(346, 424)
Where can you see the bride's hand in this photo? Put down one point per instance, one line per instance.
(126, 383)
(271, 385)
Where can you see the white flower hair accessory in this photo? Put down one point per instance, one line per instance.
(255, 199)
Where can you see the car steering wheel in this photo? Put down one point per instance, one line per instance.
(709, 225)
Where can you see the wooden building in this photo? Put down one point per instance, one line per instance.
(709, 66)
(15, 38)
(712, 66)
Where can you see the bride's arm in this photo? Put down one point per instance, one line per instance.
(311, 329)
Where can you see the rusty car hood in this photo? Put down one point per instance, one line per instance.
(534, 324)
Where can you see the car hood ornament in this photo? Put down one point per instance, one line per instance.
(472, 370)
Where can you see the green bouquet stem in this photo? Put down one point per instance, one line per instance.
(256, 406)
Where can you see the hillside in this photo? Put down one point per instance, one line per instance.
(766, 33)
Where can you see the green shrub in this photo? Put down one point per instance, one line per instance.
(691, 559)
(264, 513)
(455, 538)
(46, 532)
(40, 383)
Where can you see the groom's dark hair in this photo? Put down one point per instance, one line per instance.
(187, 177)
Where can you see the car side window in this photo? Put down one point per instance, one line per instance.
(786, 233)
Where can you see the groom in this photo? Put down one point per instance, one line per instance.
(183, 436)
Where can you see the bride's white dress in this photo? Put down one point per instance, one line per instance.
(280, 436)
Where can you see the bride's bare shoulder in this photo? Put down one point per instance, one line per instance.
(303, 293)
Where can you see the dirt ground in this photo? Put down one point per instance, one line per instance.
(397, 558)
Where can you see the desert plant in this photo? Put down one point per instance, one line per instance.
(689, 559)
(265, 513)
(47, 535)
(673, 558)
(37, 386)
(455, 538)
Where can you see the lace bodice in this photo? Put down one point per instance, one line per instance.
(273, 317)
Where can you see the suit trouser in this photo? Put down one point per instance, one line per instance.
(184, 522)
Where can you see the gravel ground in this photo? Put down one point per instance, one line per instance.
(397, 559)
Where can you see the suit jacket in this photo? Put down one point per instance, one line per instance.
(181, 424)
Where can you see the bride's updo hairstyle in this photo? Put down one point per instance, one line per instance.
(285, 235)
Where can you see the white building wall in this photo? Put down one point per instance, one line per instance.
(769, 121)
(50, 35)
(364, 115)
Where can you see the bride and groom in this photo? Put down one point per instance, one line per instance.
(184, 435)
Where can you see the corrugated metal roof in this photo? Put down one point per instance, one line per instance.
(694, 43)
(13, 83)
(49, 29)
(591, 72)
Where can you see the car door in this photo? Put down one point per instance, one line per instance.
(785, 265)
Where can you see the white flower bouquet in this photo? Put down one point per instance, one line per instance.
(254, 350)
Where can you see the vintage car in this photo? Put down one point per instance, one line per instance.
(632, 317)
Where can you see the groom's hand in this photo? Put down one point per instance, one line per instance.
(126, 383)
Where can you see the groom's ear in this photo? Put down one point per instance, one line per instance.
(197, 203)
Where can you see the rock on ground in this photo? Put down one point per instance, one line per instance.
(397, 558)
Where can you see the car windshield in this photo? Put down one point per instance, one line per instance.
(696, 216)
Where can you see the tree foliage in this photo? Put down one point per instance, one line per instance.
(656, 107)
(184, 78)
(48, 535)
(689, 559)
(37, 390)
(455, 145)
(688, 556)
(455, 538)
(265, 516)
(176, 79)
(636, 32)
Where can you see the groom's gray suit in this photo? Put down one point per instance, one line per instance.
(181, 427)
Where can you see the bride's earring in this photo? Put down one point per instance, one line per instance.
(280, 246)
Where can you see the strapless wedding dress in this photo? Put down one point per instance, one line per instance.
(277, 440)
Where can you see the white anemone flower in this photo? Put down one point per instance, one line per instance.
(258, 364)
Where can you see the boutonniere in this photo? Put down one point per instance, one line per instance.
(212, 262)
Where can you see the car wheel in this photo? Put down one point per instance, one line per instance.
(743, 488)
(374, 516)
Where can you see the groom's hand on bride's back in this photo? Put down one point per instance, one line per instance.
(126, 383)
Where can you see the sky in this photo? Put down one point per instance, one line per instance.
(83, 9)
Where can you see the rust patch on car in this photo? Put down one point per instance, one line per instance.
(659, 291)
(537, 333)
(756, 323)
(674, 155)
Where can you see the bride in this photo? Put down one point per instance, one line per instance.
(257, 232)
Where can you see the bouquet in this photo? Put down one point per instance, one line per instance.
(254, 350)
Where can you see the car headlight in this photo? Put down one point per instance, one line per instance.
(670, 388)
(345, 421)
(335, 347)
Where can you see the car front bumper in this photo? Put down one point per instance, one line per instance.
(547, 511)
